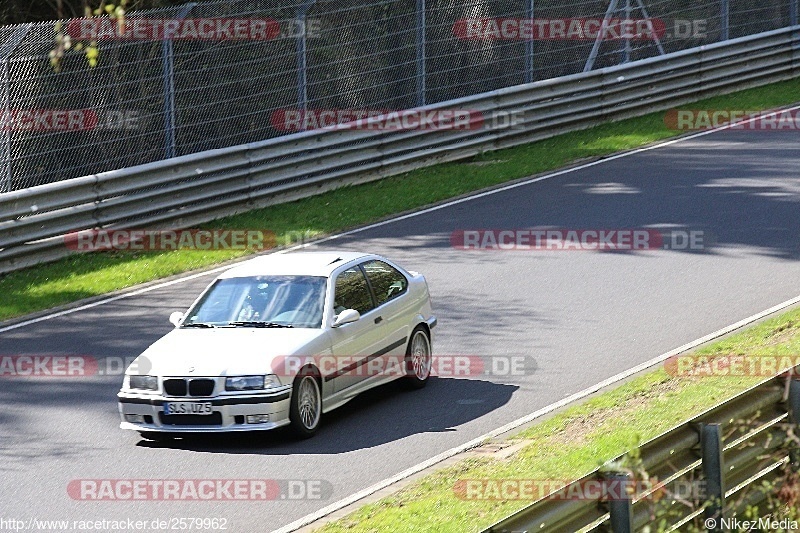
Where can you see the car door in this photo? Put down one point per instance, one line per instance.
(394, 312)
(353, 343)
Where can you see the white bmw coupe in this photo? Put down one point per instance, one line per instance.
(279, 340)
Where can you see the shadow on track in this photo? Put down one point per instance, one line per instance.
(378, 416)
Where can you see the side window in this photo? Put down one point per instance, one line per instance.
(352, 292)
(387, 282)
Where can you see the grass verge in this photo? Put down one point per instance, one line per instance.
(574, 442)
(86, 275)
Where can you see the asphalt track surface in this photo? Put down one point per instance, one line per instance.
(581, 316)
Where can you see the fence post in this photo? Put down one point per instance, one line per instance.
(626, 54)
(5, 102)
(167, 61)
(612, 8)
(724, 20)
(713, 467)
(529, 45)
(620, 505)
(302, 55)
(421, 53)
(650, 27)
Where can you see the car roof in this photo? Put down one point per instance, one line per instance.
(293, 263)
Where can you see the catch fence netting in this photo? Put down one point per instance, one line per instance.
(153, 96)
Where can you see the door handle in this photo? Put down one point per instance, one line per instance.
(378, 320)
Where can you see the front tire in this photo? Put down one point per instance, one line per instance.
(305, 408)
(419, 358)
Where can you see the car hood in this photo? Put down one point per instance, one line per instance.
(226, 351)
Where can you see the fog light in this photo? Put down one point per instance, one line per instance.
(257, 419)
(135, 419)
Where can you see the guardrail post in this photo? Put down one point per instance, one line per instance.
(167, 62)
(724, 19)
(5, 102)
(794, 400)
(529, 44)
(713, 466)
(620, 505)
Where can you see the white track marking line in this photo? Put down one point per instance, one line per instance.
(395, 219)
(313, 517)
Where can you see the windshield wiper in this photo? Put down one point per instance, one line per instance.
(197, 325)
(258, 324)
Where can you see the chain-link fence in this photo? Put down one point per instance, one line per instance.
(214, 74)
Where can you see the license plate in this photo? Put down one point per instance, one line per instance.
(187, 408)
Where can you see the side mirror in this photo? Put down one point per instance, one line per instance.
(345, 317)
(175, 318)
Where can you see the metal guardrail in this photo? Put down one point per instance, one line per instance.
(192, 189)
(732, 447)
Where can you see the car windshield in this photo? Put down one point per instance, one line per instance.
(258, 301)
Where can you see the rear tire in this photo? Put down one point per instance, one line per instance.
(305, 408)
(418, 359)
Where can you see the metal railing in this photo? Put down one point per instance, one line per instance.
(729, 451)
(188, 190)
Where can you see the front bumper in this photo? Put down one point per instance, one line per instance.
(229, 412)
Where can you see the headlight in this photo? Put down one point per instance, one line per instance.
(240, 383)
(144, 382)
